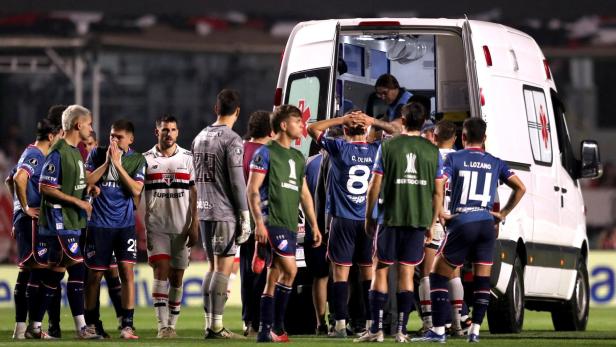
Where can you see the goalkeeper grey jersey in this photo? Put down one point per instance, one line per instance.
(218, 154)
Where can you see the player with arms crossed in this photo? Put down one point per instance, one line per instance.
(170, 220)
(276, 186)
(473, 178)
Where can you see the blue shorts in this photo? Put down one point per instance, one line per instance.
(25, 228)
(55, 249)
(281, 241)
(402, 244)
(349, 244)
(474, 240)
(102, 243)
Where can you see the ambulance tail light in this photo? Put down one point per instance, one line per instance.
(486, 53)
(278, 97)
(379, 23)
(546, 66)
(481, 97)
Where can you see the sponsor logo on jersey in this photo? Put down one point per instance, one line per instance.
(51, 168)
(33, 161)
(411, 158)
(204, 205)
(169, 195)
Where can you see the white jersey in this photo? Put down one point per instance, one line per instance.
(167, 190)
(444, 152)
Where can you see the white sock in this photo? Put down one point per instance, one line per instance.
(217, 324)
(425, 302)
(80, 322)
(474, 329)
(175, 303)
(368, 324)
(36, 325)
(160, 295)
(232, 278)
(340, 324)
(456, 296)
(439, 330)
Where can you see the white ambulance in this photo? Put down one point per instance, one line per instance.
(463, 68)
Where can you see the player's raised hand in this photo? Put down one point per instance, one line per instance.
(116, 154)
(316, 238)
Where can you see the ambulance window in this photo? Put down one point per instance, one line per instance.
(308, 91)
(567, 157)
(539, 127)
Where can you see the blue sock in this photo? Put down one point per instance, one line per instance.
(282, 294)
(114, 287)
(365, 290)
(127, 317)
(267, 314)
(50, 281)
(341, 298)
(74, 288)
(439, 295)
(377, 302)
(481, 297)
(406, 302)
(34, 295)
(21, 302)
(55, 305)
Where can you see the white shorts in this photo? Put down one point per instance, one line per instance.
(438, 236)
(168, 246)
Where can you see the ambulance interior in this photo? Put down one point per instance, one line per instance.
(430, 66)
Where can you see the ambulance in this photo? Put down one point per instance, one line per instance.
(463, 68)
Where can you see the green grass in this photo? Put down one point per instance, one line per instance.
(538, 331)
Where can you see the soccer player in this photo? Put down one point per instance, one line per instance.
(252, 283)
(224, 219)
(24, 181)
(350, 165)
(119, 173)
(406, 172)
(470, 230)
(276, 186)
(62, 216)
(170, 220)
(444, 136)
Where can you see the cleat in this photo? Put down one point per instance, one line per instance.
(422, 331)
(473, 338)
(171, 333)
(401, 338)
(454, 332)
(33, 333)
(280, 338)
(128, 333)
(466, 325)
(338, 334)
(163, 333)
(430, 336)
(322, 330)
(224, 334)
(370, 337)
(249, 331)
(98, 326)
(54, 331)
(258, 259)
(19, 333)
(263, 337)
(88, 333)
(46, 336)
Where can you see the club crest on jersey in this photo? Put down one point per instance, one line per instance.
(51, 168)
(74, 247)
(411, 158)
(168, 178)
(33, 161)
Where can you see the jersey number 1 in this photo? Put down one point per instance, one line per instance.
(470, 178)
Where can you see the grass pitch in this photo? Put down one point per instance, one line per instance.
(538, 331)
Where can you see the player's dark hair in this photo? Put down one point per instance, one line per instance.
(281, 114)
(122, 124)
(259, 125)
(227, 102)
(165, 118)
(445, 129)
(414, 114)
(475, 129)
(387, 81)
(54, 114)
(44, 127)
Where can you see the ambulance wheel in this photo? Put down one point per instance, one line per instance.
(572, 315)
(506, 314)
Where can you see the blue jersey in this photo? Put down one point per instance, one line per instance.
(473, 178)
(31, 162)
(350, 170)
(114, 207)
(313, 164)
(51, 176)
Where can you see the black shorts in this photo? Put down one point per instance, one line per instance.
(25, 228)
(474, 240)
(402, 244)
(316, 257)
(56, 250)
(103, 243)
(349, 244)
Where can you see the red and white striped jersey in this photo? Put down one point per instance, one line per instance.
(167, 190)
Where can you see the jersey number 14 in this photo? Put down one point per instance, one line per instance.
(470, 193)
